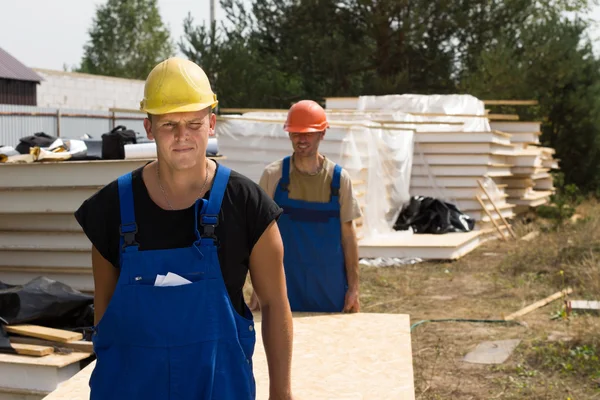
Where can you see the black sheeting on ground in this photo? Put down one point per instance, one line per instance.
(45, 302)
(430, 215)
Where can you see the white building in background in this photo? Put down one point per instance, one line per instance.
(73, 90)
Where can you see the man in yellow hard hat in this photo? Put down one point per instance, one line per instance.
(173, 242)
(317, 227)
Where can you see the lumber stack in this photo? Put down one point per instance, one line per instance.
(531, 183)
(454, 148)
(449, 165)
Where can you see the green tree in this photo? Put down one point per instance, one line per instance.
(552, 61)
(240, 76)
(127, 39)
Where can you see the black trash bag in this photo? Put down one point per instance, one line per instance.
(429, 215)
(113, 143)
(46, 302)
(39, 139)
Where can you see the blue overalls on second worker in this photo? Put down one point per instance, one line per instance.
(313, 254)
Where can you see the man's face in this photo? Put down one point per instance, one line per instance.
(306, 144)
(181, 138)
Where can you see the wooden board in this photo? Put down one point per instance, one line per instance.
(495, 170)
(448, 192)
(38, 241)
(445, 181)
(79, 345)
(459, 159)
(89, 173)
(46, 200)
(353, 356)
(43, 332)
(51, 360)
(74, 258)
(462, 137)
(516, 126)
(525, 138)
(448, 246)
(465, 148)
(40, 222)
(31, 350)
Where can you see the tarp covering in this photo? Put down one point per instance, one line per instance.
(46, 302)
(429, 215)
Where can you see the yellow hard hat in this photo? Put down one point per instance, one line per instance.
(177, 85)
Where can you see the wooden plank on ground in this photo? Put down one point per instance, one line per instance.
(32, 350)
(43, 332)
(538, 304)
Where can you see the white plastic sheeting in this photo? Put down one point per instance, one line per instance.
(430, 104)
(378, 158)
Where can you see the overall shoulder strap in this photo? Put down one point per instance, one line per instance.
(209, 217)
(284, 182)
(335, 183)
(128, 227)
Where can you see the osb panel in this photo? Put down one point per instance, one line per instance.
(347, 357)
(343, 357)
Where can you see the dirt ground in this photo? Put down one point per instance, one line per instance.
(558, 357)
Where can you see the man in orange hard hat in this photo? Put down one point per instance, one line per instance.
(173, 242)
(317, 225)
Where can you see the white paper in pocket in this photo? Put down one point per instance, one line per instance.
(170, 279)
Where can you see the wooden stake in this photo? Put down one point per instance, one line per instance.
(539, 304)
(500, 231)
(513, 234)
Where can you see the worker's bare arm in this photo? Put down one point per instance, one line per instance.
(268, 280)
(350, 246)
(105, 281)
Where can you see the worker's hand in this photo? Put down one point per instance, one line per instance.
(352, 304)
(254, 304)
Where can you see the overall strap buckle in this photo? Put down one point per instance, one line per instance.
(209, 223)
(128, 231)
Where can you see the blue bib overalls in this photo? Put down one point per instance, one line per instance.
(180, 342)
(313, 255)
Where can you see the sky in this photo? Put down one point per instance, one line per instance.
(38, 33)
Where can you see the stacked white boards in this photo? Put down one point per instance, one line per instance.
(455, 149)
(531, 184)
(39, 235)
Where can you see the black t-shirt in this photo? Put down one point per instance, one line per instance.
(246, 211)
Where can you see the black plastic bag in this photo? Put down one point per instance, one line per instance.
(39, 139)
(46, 302)
(429, 215)
(113, 143)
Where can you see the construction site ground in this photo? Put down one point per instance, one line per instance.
(558, 357)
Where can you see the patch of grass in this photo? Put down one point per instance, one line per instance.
(574, 358)
(574, 250)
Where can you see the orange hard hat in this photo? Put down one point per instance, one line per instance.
(306, 116)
